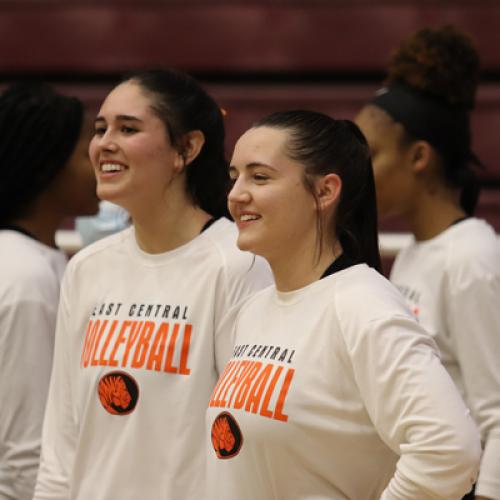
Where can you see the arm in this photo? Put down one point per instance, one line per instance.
(27, 330)
(59, 428)
(416, 410)
(474, 322)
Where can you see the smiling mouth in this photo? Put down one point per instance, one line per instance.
(248, 217)
(111, 168)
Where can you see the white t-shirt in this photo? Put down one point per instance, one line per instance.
(335, 392)
(137, 343)
(452, 285)
(30, 275)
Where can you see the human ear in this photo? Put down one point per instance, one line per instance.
(421, 154)
(192, 142)
(328, 191)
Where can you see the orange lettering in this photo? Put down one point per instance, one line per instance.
(89, 338)
(135, 329)
(258, 389)
(183, 369)
(156, 354)
(94, 361)
(221, 382)
(102, 360)
(237, 380)
(245, 385)
(278, 415)
(142, 345)
(170, 350)
(264, 411)
(120, 339)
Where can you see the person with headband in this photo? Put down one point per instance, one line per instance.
(333, 391)
(45, 176)
(418, 128)
(142, 320)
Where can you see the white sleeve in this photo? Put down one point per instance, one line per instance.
(416, 410)
(474, 320)
(27, 341)
(242, 278)
(59, 428)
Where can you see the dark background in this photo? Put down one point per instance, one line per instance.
(254, 56)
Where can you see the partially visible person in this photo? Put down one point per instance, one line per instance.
(418, 128)
(333, 391)
(45, 176)
(140, 332)
(110, 219)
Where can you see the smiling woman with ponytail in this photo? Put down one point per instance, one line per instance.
(334, 390)
(418, 128)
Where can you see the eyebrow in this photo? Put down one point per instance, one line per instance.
(119, 118)
(252, 165)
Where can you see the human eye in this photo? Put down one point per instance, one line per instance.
(260, 177)
(99, 130)
(128, 130)
(233, 175)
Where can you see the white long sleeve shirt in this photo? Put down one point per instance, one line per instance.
(134, 364)
(335, 392)
(452, 285)
(30, 276)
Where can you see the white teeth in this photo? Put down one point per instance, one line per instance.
(248, 217)
(111, 167)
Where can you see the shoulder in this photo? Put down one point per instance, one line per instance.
(473, 250)
(28, 267)
(373, 316)
(363, 293)
(472, 238)
(468, 248)
(104, 247)
(222, 235)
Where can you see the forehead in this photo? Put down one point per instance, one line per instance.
(377, 126)
(128, 98)
(261, 143)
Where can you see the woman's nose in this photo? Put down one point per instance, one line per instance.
(107, 142)
(238, 193)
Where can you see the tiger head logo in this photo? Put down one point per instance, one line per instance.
(118, 393)
(226, 436)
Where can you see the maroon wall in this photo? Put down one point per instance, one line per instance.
(254, 56)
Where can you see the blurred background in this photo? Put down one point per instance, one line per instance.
(254, 56)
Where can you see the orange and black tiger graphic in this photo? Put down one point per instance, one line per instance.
(226, 436)
(118, 393)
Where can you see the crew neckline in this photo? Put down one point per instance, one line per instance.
(294, 296)
(155, 259)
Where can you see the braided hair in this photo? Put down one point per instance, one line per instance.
(39, 130)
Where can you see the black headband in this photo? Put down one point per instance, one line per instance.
(425, 117)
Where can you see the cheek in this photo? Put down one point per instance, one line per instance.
(232, 209)
(385, 171)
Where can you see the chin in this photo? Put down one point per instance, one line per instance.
(111, 194)
(246, 244)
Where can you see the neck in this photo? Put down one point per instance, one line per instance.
(42, 225)
(168, 226)
(434, 213)
(301, 267)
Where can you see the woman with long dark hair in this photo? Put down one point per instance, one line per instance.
(333, 391)
(140, 327)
